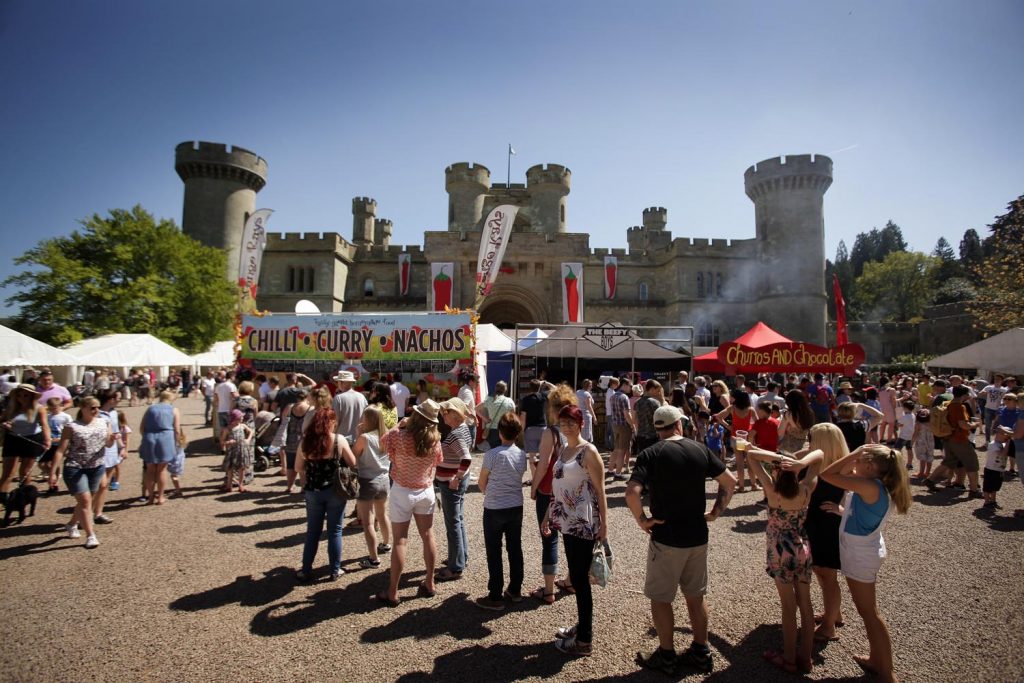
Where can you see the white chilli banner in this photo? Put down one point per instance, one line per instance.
(493, 241)
(254, 240)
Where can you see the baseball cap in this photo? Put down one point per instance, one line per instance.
(666, 416)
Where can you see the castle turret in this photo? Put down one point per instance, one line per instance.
(466, 185)
(548, 185)
(364, 210)
(636, 239)
(382, 232)
(220, 194)
(655, 218)
(788, 195)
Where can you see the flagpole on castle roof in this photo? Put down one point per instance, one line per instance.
(508, 176)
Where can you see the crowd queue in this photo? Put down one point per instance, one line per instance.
(834, 463)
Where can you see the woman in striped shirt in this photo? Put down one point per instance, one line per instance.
(452, 481)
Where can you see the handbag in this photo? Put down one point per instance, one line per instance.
(346, 480)
(601, 564)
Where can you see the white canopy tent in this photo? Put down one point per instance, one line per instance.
(490, 338)
(220, 355)
(18, 350)
(1003, 352)
(127, 351)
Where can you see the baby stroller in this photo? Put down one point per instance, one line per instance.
(265, 431)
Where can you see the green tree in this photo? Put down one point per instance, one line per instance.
(124, 272)
(971, 251)
(898, 288)
(1000, 275)
(875, 245)
(949, 267)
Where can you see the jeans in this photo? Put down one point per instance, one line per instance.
(548, 544)
(208, 400)
(451, 506)
(578, 554)
(321, 504)
(507, 522)
(990, 417)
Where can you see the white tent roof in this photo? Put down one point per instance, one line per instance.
(570, 342)
(1003, 352)
(127, 351)
(490, 338)
(221, 354)
(527, 340)
(19, 350)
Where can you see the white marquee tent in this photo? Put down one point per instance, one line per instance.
(127, 351)
(1003, 352)
(18, 350)
(220, 355)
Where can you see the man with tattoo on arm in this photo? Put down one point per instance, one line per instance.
(674, 471)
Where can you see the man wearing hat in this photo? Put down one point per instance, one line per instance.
(843, 396)
(673, 471)
(348, 406)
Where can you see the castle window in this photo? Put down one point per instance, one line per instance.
(561, 213)
(718, 285)
(642, 291)
(300, 279)
(700, 285)
(707, 334)
(709, 282)
(368, 287)
(451, 212)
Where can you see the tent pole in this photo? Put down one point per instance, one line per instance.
(576, 365)
(515, 368)
(632, 360)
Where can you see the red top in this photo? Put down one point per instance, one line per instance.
(742, 423)
(545, 482)
(767, 431)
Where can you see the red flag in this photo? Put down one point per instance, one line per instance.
(841, 335)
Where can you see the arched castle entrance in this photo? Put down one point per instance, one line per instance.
(507, 305)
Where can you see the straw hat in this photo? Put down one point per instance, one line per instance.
(846, 385)
(428, 410)
(28, 388)
(457, 405)
(344, 376)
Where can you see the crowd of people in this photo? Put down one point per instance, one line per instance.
(833, 462)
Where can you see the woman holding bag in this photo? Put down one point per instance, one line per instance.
(321, 452)
(579, 509)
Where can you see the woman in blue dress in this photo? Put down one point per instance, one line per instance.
(161, 429)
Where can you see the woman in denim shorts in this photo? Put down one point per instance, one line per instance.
(82, 447)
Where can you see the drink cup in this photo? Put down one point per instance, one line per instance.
(741, 441)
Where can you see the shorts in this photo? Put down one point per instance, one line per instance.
(289, 460)
(960, 454)
(23, 446)
(623, 437)
(531, 438)
(992, 480)
(859, 558)
(80, 480)
(900, 444)
(670, 569)
(403, 503)
(373, 489)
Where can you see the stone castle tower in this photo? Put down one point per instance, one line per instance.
(220, 194)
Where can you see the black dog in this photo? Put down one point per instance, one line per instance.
(24, 496)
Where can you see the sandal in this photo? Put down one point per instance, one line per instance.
(425, 592)
(367, 563)
(447, 575)
(818, 618)
(776, 659)
(820, 638)
(383, 597)
(564, 585)
(542, 595)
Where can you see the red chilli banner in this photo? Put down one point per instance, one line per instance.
(572, 292)
(493, 242)
(791, 357)
(441, 281)
(404, 273)
(611, 276)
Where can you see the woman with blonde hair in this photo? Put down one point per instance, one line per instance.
(26, 435)
(415, 451)
(161, 431)
(875, 480)
(373, 466)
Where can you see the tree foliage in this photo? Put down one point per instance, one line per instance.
(1000, 275)
(971, 251)
(949, 266)
(899, 287)
(875, 245)
(124, 272)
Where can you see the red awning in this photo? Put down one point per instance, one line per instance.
(758, 335)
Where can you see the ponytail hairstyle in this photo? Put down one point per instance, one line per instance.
(892, 470)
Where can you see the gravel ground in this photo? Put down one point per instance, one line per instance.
(203, 588)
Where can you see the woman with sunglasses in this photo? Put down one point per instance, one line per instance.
(26, 435)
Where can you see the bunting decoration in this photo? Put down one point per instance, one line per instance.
(572, 292)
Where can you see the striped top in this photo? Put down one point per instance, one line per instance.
(456, 453)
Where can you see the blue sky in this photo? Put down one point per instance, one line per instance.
(649, 103)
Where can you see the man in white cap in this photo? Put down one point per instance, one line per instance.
(348, 406)
(673, 471)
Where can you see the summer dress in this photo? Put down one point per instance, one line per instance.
(239, 455)
(574, 509)
(789, 549)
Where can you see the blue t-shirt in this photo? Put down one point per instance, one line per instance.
(713, 438)
(820, 397)
(1008, 416)
(865, 518)
(505, 466)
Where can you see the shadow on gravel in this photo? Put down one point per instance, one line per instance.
(998, 522)
(268, 510)
(456, 616)
(31, 529)
(263, 525)
(244, 590)
(35, 548)
(940, 498)
(496, 664)
(285, 542)
(289, 617)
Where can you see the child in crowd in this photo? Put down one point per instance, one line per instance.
(871, 399)
(714, 434)
(58, 420)
(924, 443)
(995, 465)
(765, 432)
(1007, 417)
(236, 440)
(905, 431)
(176, 467)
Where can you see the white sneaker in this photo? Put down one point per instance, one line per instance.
(73, 531)
(92, 541)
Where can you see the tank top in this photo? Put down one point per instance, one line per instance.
(293, 433)
(742, 423)
(865, 518)
(574, 509)
(88, 443)
(372, 461)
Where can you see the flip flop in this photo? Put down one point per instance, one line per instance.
(383, 597)
(425, 592)
(825, 639)
(818, 618)
(447, 575)
(776, 659)
(561, 584)
(542, 595)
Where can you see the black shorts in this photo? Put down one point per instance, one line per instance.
(23, 446)
(991, 480)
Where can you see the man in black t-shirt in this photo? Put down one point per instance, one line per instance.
(532, 408)
(674, 471)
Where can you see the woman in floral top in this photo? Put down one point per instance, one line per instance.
(579, 509)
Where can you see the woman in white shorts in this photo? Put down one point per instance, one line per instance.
(875, 479)
(414, 448)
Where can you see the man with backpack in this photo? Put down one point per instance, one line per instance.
(952, 417)
(822, 399)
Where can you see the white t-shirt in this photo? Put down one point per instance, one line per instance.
(208, 386)
(906, 423)
(994, 396)
(995, 457)
(400, 395)
(225, 391)
(705, 394)
(264, 391)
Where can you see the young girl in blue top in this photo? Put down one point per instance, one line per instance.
(875, 479)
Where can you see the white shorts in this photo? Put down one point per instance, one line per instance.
(860, 558)
(403, 503)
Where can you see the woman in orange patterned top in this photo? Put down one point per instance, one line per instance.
(415, 451)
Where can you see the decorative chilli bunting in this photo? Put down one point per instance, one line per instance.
(441, 280)
(493, 241)
(404, 273)
(611, 276)
(572, 292)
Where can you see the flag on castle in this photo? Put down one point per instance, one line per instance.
(254, 240)
(611, 276)
(441, 281)
(404, 273)
(572, 292)
(842, 335)
(493, 241)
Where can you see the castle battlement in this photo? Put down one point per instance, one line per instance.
(548, 174)
(305, 240)
(466, 172)
(794, 172)
(364, 205)
(217, 160)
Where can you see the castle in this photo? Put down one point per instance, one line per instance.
(720, 287)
